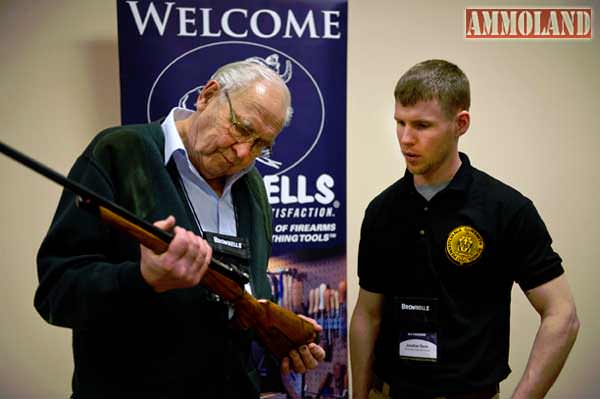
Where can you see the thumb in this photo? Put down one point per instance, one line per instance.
(166, 224)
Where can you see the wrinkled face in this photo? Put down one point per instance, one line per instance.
(218, 147)
(428, 140)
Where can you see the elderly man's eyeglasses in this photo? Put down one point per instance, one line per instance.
(243, 134)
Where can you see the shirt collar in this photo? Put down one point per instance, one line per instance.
(460, 182)
(462, 179)
(173, 142)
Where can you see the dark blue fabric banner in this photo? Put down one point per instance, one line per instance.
(169, 49)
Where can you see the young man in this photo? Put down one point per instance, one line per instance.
(440, 250)
(142, 326)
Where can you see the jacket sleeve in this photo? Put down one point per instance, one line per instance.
(84, 277)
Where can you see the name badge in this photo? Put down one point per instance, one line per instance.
(418, 346)
(418, 328)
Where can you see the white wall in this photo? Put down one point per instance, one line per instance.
(536, 123)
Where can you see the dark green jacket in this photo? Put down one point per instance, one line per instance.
(129, 341)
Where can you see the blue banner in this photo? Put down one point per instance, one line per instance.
(169, 49)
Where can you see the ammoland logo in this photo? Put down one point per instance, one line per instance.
(528, 23)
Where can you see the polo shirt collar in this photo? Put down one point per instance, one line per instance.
(463, 177)
(459, 183)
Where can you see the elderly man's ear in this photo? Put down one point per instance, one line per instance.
(210, 90)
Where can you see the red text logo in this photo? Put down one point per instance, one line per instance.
(528, 23)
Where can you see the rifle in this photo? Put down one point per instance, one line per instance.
(279, 329)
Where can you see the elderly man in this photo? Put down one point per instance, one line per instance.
(142, 327)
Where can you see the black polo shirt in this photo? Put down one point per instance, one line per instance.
(410, 248)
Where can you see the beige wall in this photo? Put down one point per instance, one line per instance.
(536, 125)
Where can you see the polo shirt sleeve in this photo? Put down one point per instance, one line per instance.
(369, 277)
(534, 259)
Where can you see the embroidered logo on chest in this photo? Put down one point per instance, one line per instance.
(464, 245)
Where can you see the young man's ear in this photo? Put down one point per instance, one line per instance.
(210, 90)
(463, 121)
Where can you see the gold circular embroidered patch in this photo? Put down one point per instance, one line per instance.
(464, 245)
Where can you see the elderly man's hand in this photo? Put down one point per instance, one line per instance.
(184, 263)
(306, 357)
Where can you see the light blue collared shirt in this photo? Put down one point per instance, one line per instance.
(215, 214)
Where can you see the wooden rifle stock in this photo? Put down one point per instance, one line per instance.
(279, 329)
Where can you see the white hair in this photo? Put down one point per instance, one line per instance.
(240, 74)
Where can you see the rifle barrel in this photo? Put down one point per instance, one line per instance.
(90, 200)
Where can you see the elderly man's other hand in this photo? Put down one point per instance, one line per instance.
(306, 357)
